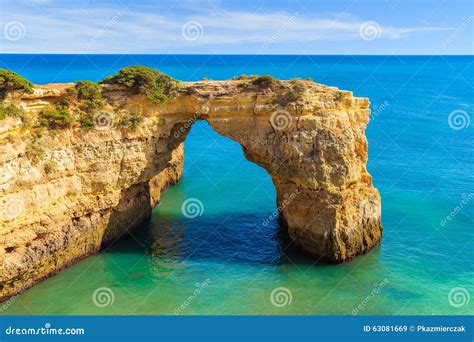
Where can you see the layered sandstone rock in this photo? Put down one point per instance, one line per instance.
(91, 187)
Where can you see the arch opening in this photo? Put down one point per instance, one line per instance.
(223, 208)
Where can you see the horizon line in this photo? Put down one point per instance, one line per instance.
(226, 54)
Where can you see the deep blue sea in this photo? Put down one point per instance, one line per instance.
(421, 159)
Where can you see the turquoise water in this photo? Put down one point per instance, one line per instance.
(421, 166)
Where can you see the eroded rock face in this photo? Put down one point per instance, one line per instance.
(91, 187)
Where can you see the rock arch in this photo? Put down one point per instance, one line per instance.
(106, 181)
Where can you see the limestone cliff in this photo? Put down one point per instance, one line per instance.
(92, 186)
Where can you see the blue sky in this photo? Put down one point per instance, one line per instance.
(237, 27)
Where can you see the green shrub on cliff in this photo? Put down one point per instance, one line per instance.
(63, 103)
(89, 106)
(36, 145)
(130, 120)
(88, 90)
(134, 120)
(11, 81)
(264, 81)
(11, 111)
(86, 120)
(55, 117)
(68, 97)
(339, 96)
(90, 96)
(298, 85)
(241, 77)
(289, 96)
(161, 122)
(157, 87)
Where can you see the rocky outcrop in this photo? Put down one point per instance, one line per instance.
(92, 186)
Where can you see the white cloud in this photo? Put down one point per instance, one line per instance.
(147, 29)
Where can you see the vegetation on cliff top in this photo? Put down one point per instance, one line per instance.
(84, 99)
(11, 81)
(264, 81)
(292, 94)
(90, 95)
(285, 93)
(82, 102)
(157, 87)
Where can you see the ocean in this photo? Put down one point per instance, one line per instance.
(226, 262)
